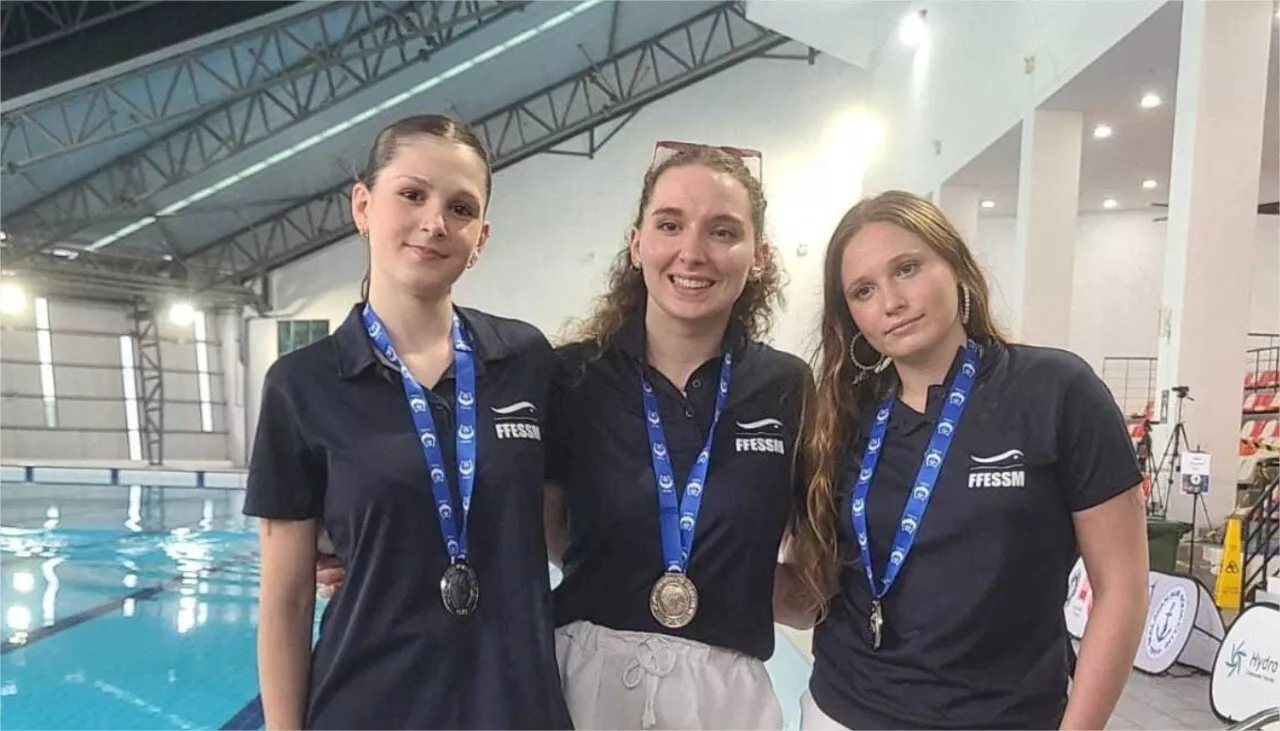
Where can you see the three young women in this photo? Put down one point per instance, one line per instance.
(389, 435)
(955, 478)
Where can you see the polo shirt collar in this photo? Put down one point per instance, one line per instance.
(356, 351)
(630, 339)
(907, 419)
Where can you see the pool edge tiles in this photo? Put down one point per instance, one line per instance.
(223, 479)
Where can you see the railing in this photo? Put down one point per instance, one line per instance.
(1260, 539)
(1132, 381)
(1260, 720)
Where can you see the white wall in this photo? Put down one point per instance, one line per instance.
(949, 99)
(558, 221)
(89, 388)
(1119, 262)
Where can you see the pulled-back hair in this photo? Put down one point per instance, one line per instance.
(402, 131)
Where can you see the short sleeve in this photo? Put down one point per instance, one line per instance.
(285, 479)
(556, 438)
(1096, 458)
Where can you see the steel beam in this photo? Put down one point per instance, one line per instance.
(611, 89)
(276, 74)
(150, 370)
(27, 24)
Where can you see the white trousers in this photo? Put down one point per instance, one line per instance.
(640, 680)
(813, 718)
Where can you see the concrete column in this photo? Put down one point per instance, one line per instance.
(1209, 251)
(960, 204)
(1044, 249)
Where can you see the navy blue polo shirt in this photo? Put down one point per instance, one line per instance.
(974, 635)
(336, 442)
(601, 457)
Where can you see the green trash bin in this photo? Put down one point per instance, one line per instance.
(1162, 542)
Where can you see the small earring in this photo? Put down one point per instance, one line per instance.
(865, 371)
(756, 272)
(965, 313)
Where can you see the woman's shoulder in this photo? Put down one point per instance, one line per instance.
(505, 335)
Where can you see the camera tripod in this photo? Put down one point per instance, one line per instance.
(1178, 443)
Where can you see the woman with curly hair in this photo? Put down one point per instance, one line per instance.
(673, 469)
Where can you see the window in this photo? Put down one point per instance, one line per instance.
(44, 343)
(129, 376)
(202, 374)
(294, 334)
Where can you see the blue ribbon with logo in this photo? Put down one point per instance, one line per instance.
(678, 521)
(926, 478)
(455, 540)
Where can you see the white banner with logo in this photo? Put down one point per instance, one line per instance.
(1183, 624)
(1246, 673)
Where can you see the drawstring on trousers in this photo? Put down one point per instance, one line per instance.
(653, 659)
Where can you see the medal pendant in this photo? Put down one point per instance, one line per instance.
(673, 600)
(877, 624)
(460, 589)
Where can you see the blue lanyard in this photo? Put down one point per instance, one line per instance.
(677, 521)
(455, 541)
(930, 467)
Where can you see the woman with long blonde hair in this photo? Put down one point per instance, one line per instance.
(955, 479)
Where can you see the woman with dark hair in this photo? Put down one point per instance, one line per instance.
(955, 478)
(674, 463)
(387, 435)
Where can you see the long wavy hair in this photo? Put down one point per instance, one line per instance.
(843, 407)
(626, 293)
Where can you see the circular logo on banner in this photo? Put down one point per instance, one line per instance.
(1165, 621)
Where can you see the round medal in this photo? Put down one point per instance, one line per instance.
(673, 600)
(460, 589)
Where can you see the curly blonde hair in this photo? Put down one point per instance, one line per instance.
(626, 294)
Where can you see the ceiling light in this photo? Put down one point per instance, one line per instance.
(4, 236)
(12, 298)
(1150, 100)
(1109, 203)
(1150, 184)
(364, 115)
(988, 203)
(1101, 132)
(912, 30)
(182, 314)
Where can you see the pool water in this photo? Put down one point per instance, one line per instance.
(136, 608)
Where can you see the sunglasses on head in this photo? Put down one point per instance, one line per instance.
(753, 159)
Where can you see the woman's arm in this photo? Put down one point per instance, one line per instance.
(555, 520)
(286, 616)
(1113, 541)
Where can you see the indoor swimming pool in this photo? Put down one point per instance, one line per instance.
(136, 607)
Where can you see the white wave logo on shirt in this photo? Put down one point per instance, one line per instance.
(763, 436)
(517, 421)
(1006, 469)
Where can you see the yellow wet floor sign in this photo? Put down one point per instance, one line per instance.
(1226, 590)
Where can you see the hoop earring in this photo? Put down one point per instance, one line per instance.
(965, 313)
(865, 371)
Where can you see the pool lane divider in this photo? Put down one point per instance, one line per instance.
(150, 592)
